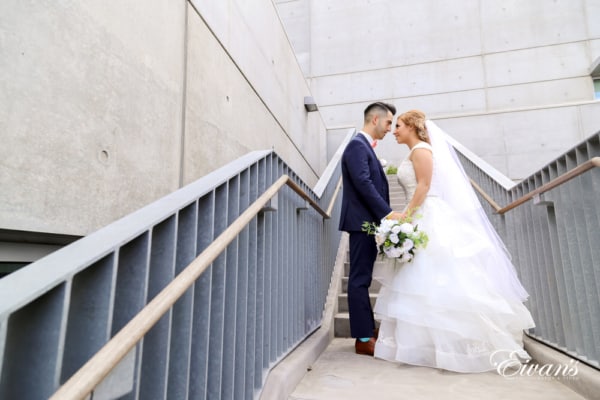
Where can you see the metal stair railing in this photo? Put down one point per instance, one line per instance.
(554, 240)
(122, 307)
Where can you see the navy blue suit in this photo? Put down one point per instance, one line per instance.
(365, 198)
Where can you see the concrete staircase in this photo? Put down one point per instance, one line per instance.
(342, 323)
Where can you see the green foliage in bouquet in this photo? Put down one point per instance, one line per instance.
(391, 170)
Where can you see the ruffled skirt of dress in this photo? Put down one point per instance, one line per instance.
(444, 309)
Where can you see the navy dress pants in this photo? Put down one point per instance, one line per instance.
(363, 252)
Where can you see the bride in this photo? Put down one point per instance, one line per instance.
(458, 305)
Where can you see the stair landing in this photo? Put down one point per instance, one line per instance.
(339, 373)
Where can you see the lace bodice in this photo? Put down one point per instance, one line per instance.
(406, 172)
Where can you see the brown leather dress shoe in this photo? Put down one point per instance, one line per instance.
(366, 348)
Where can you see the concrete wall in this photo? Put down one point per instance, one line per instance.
(511, 79)
(107, 106)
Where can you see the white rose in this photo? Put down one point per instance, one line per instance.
(396, 229)
(408, 244)
(386, 225)
(393, 252)
(394, 238)
(407, 228)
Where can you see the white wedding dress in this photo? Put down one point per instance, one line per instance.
(458, 305)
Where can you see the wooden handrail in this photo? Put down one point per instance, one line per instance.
(334, 197)
(486, 196)
(303, 194)
(99, 366)
(580, 169)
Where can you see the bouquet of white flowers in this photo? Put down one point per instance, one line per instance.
(397, 239)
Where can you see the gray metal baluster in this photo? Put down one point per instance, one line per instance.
(559, 299)
(276, 304)
(181, 323)
(296, 220)
(241, 315)
(261, 281)
(286, 251)
(253, 306)
(201, 328)
(231, 290)
(270, 340)
(561, 211)
(130, 297)
(155, 358)
(217, 302)
(89, 314)
(31, 363)
(544, 263)
(572, 260)
(521, 259)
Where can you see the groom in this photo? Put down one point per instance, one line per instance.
(365, 198)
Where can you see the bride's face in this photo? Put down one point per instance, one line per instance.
(403, 132)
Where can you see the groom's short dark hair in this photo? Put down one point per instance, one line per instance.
(379, 106)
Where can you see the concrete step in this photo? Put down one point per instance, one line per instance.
(396, 198)
(343, 301)
(342, 325)
(375, 286)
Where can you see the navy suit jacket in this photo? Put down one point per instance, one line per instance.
(366, 192)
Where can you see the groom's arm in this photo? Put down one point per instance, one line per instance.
(357, 164)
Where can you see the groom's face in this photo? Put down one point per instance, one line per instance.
(384, 125)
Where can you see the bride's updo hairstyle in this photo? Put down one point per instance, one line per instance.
(416, 119)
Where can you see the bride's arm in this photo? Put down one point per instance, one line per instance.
(422, 161)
